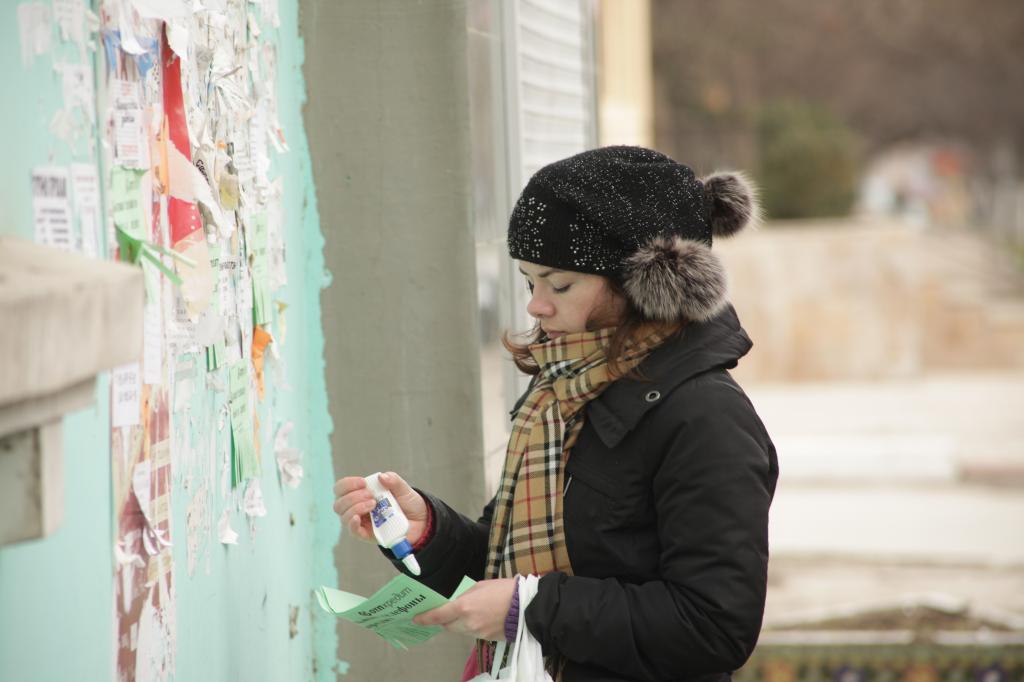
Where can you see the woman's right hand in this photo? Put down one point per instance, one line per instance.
(353, 502)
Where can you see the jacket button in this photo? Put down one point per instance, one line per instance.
(653, 396)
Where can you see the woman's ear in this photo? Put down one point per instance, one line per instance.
(612, 308)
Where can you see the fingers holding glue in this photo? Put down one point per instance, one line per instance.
(354, 501)
(411, 502)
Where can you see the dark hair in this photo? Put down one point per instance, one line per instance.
(631, 326)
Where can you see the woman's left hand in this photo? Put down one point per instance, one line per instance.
(479, 612)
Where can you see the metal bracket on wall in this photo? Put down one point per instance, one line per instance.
(31, 483)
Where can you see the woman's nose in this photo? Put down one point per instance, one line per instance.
(538, 307)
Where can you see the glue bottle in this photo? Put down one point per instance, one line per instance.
(390, 526)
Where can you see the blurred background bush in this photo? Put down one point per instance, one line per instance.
(808, 161)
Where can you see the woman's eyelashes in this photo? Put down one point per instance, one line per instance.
(557, 290)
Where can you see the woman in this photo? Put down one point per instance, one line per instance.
(638, 476)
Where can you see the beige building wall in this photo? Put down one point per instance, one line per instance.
(841, 300)
(625, 73)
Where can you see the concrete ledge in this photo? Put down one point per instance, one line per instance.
(68, 318)
(14, 417)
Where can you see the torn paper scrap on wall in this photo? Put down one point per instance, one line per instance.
(77, 23)
(86, 192)
(153, 341)
(252, 501)
(51, 206)
(289, 459)
(126, 387)
(198, 522)
(35, 30)
(155, 639)
(188, 184)
(77, 89)
(183, 334)
(225, 532)
(130, 147)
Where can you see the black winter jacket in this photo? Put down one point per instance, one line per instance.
(666, 522)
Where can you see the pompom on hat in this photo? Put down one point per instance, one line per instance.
(638, 217)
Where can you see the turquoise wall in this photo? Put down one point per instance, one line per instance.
(234, 614)
(56, 595)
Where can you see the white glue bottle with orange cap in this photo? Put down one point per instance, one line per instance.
(390, 525)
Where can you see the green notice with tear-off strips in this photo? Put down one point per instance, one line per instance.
(389, 612)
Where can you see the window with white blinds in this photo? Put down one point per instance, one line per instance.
(550, 69)
(552, 105)
(533, 98)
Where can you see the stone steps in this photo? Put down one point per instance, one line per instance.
(943, 428)
(933, 524)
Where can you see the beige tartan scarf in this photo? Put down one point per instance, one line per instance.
(527, 535)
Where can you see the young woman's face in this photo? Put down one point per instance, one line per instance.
(563, 301)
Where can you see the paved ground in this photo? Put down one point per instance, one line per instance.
(802, 588)
(926, 470)
(894, 490)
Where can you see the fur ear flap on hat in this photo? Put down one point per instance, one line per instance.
(734, 202)
(672, 278)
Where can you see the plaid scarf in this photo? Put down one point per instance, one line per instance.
(527, 535)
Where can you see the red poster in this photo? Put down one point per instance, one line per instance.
(183, 215)
(143, 585)
(188, 238)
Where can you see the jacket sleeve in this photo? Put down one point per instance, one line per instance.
(458, 547)
(711, 494)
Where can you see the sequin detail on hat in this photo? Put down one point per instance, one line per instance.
(591, 211)
(528, 214)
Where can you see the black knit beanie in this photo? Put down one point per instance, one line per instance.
(638, 217)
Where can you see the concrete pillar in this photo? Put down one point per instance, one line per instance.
(388, 127)
(625, 73)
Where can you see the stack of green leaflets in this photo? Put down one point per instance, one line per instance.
(390, 610)
(245, 463)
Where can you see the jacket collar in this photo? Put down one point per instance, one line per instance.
(718, 342)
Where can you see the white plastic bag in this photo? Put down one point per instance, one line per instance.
(526, 664)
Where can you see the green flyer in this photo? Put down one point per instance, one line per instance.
(245, 461)
(390, 610)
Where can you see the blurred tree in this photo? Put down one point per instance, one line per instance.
(808, 161)
(894, 70)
